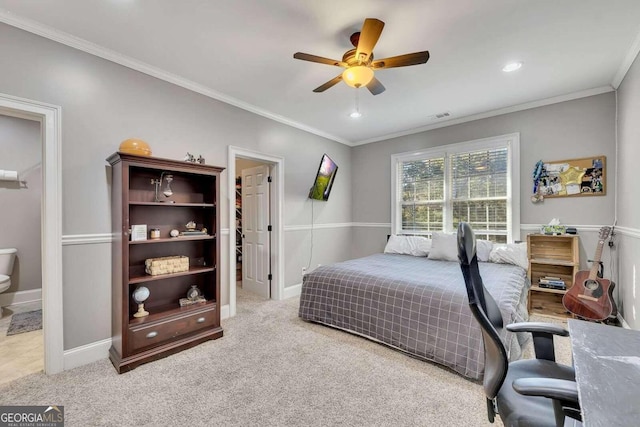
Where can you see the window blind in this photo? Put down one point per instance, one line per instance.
(422, 189)
(479, 191)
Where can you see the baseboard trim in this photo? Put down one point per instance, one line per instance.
(224, 312)
(292, 291)
(20, 297)
(85, 354)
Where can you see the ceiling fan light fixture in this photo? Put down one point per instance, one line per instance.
(357, 76)
(512, 66)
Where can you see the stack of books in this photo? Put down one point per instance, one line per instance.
(552, 283)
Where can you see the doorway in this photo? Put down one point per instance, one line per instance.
(258, 167)
(253, 226)
(49, 117)
(21, 344)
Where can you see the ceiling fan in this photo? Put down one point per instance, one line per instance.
(359, 63)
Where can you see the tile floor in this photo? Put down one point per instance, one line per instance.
(20, 354)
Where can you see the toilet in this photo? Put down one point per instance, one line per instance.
(7, 257)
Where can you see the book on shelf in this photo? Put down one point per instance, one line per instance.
(547, 281)
(193, 233)
(558, 286)
(551, 282)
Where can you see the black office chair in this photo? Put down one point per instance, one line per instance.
(531, 392)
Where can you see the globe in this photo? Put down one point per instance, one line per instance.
(141, 294)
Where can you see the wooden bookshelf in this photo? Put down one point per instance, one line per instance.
(551, 256)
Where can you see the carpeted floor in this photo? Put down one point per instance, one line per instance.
(270, 369)
(25, 322)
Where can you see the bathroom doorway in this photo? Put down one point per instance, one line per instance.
(21, 339)
(48, 119)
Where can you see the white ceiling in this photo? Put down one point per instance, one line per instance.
(241, 51)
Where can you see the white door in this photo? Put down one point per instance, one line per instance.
(255, 220)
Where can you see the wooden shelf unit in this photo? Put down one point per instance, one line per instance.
(551, 256)
(168, 328)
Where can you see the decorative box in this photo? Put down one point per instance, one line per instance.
(553, 229)
(186, 301)
(166, 265)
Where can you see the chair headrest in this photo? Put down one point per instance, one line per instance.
(466, 243)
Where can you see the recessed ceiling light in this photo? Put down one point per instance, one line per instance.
(355, 115)
(513, 66)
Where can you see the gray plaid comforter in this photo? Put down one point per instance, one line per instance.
(416, 305)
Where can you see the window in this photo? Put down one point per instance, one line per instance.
(435, 189)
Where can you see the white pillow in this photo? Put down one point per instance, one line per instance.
(444, 246)
(483, 249)
(408, 245)
(511, 253)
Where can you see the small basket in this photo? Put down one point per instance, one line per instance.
(166, 265)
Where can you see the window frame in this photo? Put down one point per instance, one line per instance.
(510, 141)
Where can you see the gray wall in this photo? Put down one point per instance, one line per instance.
(20, 218)
(629, 194)
(104, 103)
(573, 129)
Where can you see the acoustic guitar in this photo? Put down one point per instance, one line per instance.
(590, 297)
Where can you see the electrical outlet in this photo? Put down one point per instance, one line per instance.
(304, 270)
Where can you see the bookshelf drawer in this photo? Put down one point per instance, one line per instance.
(156, 333)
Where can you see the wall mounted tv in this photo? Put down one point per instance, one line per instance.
(324, 179)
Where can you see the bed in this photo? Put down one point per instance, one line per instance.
(415, 304)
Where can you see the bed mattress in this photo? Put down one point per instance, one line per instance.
(416, 305)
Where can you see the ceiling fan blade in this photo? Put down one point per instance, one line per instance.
(369, 35)
(328, 84)
(319, 59)
(401, 60)
(375, 87)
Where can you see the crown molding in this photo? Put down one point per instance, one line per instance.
(493, 113)
(627, 62)
(126, 61)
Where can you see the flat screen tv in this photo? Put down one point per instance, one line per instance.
(324, 179)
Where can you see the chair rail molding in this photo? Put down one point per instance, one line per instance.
(86, 239)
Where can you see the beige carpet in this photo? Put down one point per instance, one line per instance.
(270, 369)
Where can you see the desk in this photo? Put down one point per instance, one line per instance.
(607, 363)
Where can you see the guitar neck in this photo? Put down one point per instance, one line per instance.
(593, 273)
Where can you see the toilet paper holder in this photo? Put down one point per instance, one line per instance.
(6, 175)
